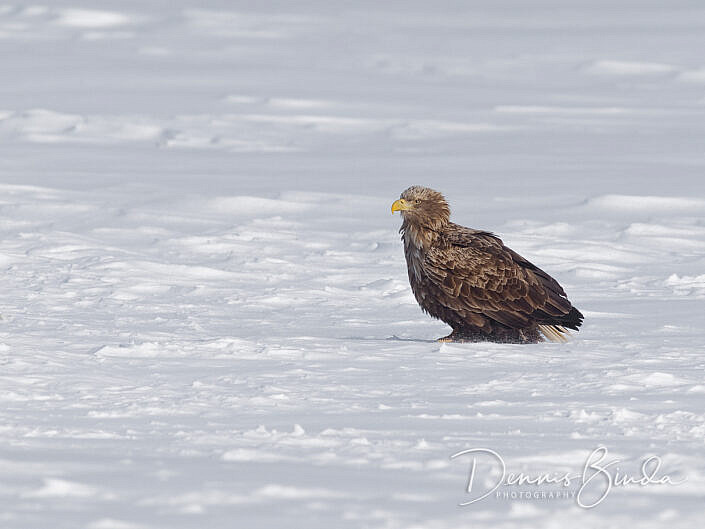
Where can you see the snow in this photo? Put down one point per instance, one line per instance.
(630, 68)
(90, 18)
(206, 320)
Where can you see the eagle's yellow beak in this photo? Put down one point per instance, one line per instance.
(400, 205)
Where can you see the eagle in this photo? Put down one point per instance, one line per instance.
(470, 280)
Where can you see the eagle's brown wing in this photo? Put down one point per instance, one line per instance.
(475, 273)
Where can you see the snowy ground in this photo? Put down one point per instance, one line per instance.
(206, 320)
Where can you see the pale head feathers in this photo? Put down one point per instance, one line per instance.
(427, 208)
(425, 213)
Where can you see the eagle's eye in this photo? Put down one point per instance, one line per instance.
(418, 201)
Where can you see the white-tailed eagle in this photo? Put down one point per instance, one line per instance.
(470, 280)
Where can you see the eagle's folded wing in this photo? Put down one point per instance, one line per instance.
(482, 276)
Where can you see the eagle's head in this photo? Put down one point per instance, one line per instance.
(423, 207)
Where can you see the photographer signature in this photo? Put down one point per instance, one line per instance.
(597, 479)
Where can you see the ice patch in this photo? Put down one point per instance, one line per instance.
(243, 99)
(600, 271)
(583, 416)
(608, 315)
(145, 350)
(656, 379)
(112, 523)
(251, 455)
(233, 24)
(649, 204)
(686, 285)
(421, 129)
(218, 348)
(285, 492)
(60, 488)
(106, 35)
(281, 102)
(693, 76)
(626, 68)
(91, 18)
(594, 257)
(46, 126)
(660, 230)
(255, 206)
(196, 502)
(332, 124)
(42, 121)
(624, 415)
(519, 109)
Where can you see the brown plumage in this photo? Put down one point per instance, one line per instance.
(470, 280)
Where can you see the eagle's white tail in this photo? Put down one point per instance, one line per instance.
(555, 333)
